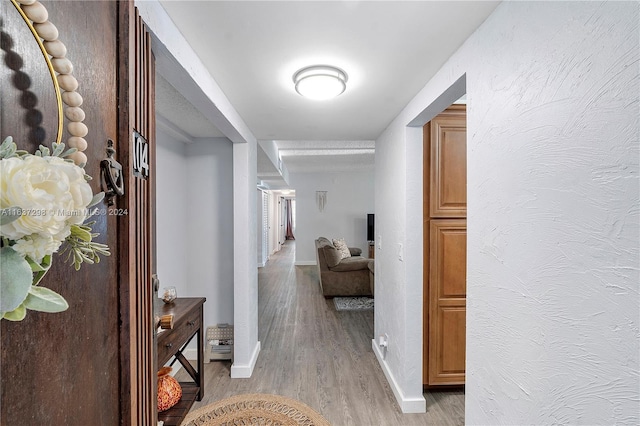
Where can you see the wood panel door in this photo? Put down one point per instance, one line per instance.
(444, 248)
(447, 301)
(448, 191)
(94, 363)
(64, 368)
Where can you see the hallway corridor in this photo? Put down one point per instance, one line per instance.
(320, 356)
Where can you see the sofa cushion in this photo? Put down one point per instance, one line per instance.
(331, 255)
(372, 267)
(322, 241)
(354, 263)
(355, 251)
(342, 247)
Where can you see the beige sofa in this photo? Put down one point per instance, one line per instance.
(342, 277)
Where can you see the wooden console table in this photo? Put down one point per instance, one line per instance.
(187, 323)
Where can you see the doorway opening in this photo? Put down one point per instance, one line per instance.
(276, 221)
(415, 267)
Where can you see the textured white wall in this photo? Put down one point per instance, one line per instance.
(554, 236)
(350, 196)
(552, 313)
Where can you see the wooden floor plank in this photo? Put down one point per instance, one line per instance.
(319, 356)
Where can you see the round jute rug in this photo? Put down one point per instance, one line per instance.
(255, 409)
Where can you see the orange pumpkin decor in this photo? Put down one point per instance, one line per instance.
(169, 390)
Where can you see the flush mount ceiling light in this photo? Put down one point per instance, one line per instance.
(320, 82)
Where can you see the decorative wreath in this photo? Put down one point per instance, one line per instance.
(36, 16)
(45, 198)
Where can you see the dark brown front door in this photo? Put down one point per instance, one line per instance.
(94, 363)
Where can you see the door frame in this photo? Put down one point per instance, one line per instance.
(414, 243)
(136, 229)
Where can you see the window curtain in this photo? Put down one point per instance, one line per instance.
(289, 230)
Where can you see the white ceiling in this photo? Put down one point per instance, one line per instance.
(181, 114)
(389, 49)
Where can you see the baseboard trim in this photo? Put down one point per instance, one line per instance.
(245, 371)
(305, 263)
(407, 405)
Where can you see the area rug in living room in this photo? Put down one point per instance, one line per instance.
(353, 303)
(255, 409)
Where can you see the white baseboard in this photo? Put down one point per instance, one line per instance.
(245, 371)
(305, 263)
(407, 405)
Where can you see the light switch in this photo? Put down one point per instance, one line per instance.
(400, 254)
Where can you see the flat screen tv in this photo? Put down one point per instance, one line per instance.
(370, 228)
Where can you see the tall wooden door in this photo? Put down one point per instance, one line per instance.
(445, 248)
(447, 301)
(92, 364)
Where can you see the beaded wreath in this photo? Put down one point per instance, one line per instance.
(36, 16)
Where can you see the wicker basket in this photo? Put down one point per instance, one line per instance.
(219, 343)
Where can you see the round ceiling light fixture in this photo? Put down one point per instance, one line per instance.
(320, 82)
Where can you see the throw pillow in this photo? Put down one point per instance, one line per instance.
(355, 251)
(341, 246)
(331, 255)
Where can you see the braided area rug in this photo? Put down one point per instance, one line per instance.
(255, 409)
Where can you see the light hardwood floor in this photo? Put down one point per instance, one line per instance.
(322, 357)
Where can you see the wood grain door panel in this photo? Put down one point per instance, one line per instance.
(450, 360)
(447, 301)
(448, 192)
(137, 234)
(93, 364)
(451, 271)
(63, 369)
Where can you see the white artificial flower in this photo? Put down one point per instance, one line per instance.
(36, 247)
(52, 193)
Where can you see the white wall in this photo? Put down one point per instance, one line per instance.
(350, 196)
(553, 241)
(245, 276)
(210, 214)
(194, 211)
(171, 208)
